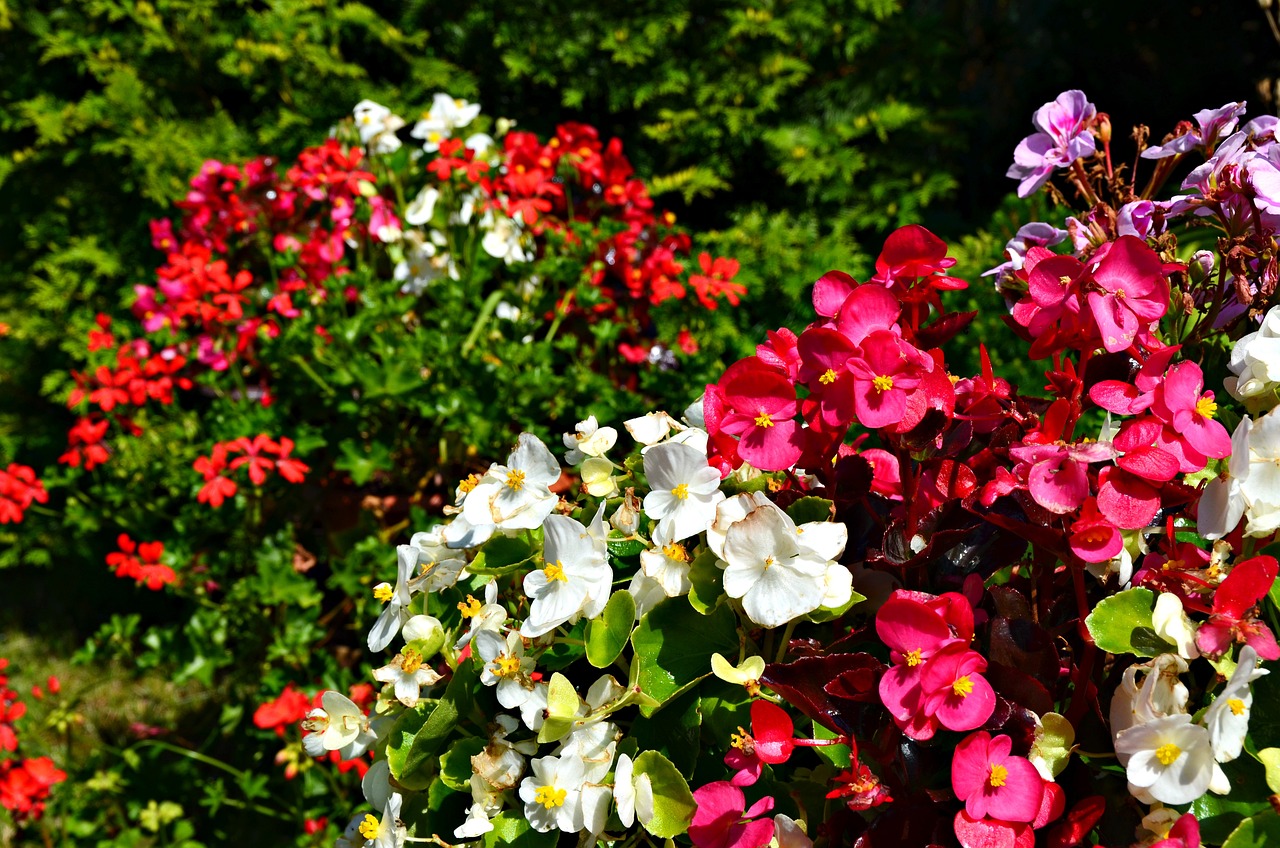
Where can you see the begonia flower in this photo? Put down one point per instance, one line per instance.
(576, 579)
(1169, 757)
(761, 408)
(993, 783)
(515, 496)
(684, 490)
(722, 820)
(1227, 718)
(886, 369)
(1234, 617)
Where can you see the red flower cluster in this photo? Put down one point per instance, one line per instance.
(141, 562)
(19, 488)
(24, 782)
(261, 454)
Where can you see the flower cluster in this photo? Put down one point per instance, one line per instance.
(19, 488)
(259, 455)
(290, 709)
(142, 563)
(25, 782)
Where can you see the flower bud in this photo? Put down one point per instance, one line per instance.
(1104, 127)
(627, 519)
(426, 633)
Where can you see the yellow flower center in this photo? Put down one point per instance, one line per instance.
(764, 419)
(768, 561)
(434, 137)
(369, 827)
(1064, 280)
(999, 774)
(828, 377)
(515, 480)
(675, 551)
(468, 484)
(555, 571)
(506, 665)
(469, 608)
(913, 658)
(1206, 407)
(1167, 753)
(1236, 705)
(743, 741)
(549, 796)
(883, 383)
(963, 686)
(681, 492)
(412, 661)
(383, 592)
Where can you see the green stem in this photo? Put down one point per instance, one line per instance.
(486, 310)
(310, 372)
(785, 642)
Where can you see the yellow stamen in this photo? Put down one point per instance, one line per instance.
(506, 665)
(963, 686)
(549, 796)
(913, 658)
(1167, 753)
(383, 592)
(1064, 281)
(764, 419)
(828, 377)
(469, 608)
(675, 551)
(999, 774)
(468, 484)
(555, 571)
(369, 827)
(1236, 705)
(768, 561)
(412, 661)
(883, 383)
(681, 492)
(743, 741)
(1206, 407)
(515, 480)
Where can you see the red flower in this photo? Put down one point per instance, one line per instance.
(770, 741)
(1234, 617)
(716, 280)
(19, 488)
(141, 562)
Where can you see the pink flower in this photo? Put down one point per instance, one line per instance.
(1134, 292)
(824, 357)
(956, 693)
(1058, 475)
(1234, 618)
(993, 783)
(770, 741)
(1063, 137)
(720, 821)
(885, 371)
(761, 410)
(1180, 402)
(1185, 833)
(1093, 537)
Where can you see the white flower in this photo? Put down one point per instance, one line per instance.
(446, 115)
(506, 239)
(1160, 694)
(1227, 718)
(552, 795)
(387, 833)
(533, 710)
(397, 600)
(423, 263)
(651, 428)
(1223, 502)
(633, 795)
(506, 311)
(728, 513)
(667, 563)
(788, 834)
(376, 784)
(576, 579)
(1169, 757)
(439, 566)
(505, 666)
(777, 577)
(377, 127)
(646, 591)
(476, 825)
(597, 477)
(1261, 485)
(684, 490)
(423, 207)
(479, 142)
(515, 496)
(588, 439)
(626, 519)
(487, 616)
(1172, 625)
(409, 674)
(337, 725)
(1255, 360)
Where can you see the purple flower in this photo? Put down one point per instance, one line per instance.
(1213, 125)
(1063, 138)
(1035, 234)
(1135, 219)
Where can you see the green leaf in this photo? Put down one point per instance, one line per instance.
(837, 755)
(1264, 724)
(1270, 758)
(608, 634)
(1258, 831)
(676, 733)
(1053, 741)
(562, 706)
(512, 830)
(823, 614)
(625, 548)
(1220, 815)
(455, 765)
(416, 737)
(673, 803)
(707, 582)
(1121, 624)
(673, 647)
(501, 555)
(810, 509)
(362, 461)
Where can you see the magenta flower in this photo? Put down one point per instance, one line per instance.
(913, 633)
(824, 357)
(1093, 537)
(1185, 833)
(1057, 474)
(1130, 399)
(1234, 618)
(1063, 137)
(770, 741)
(1179, 401)
(721, 820)
(1133, 292)
(762, 407)
(993, 783)
(866, 310)
(885, 371)
(1125, 499)
(956, 693)
(780, 352)
(1213, 124)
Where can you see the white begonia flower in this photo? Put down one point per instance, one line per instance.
(837, 585)
(626, 519)
(632, 793)
(377, 127)
(646, 591)
(597, 477)
(1261, 485)
(396, 611)
(552, 795)
(746, 674)
(505, 238)
(1227, 718)
(423, 207)
(533, 710)
(651, 428)
(387, 832)
(505, 666)
(408, 674)
(777, 578)
(423, 263)
(1169, 757)
(588, 439)
(694, 415)
(446, 115)
(479, 142)
(729, 512)
(787, 833)
(1255, 360)
(476, 825)
(489, 616)
(337, 725)
(515, 496)
(691, 436)
(1223, 503)
(667, 563)
(376, 784)
(506, 311)
(576, 579)
(439, 566)
(684, 490)
(1172, 625)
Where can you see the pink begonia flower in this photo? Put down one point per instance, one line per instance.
(886, 477)
(1131, 399)
(824, 357)
(780, 352)
(866, 310)
(956, 693)
(1185, 833)
(1181, 402)
(885, 371)
(1058, 475)
(770, 741)
(993, 783)
(911, 252)
(720, 820)
(761, 410)
(1138, 442)
(1135, 292)
(1063, 137)
(915, 627)
(1052, 303)
(1234, 618)
(1093, 537)
(1125, 499)
(830, 292)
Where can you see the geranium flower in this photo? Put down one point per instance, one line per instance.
(1063, 137)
